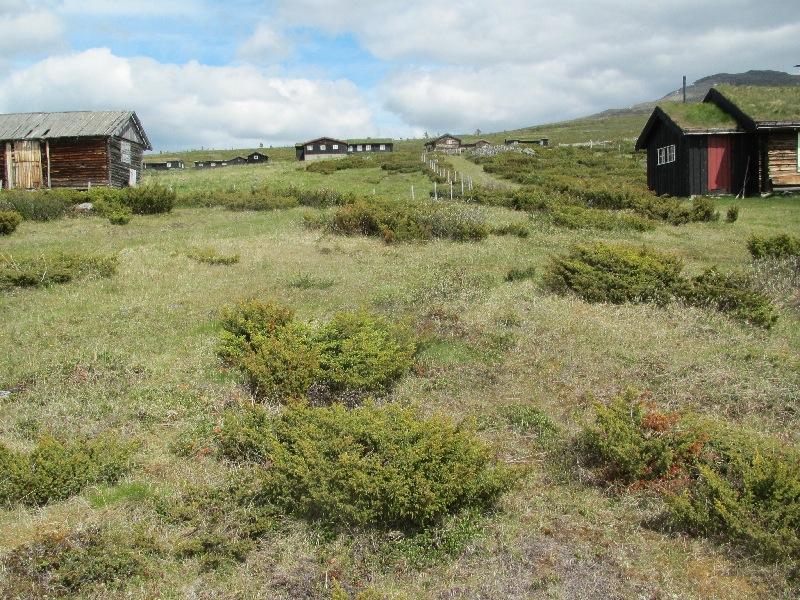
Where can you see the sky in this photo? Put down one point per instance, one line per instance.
(234, 74)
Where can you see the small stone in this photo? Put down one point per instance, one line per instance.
(84, 207)
(4, 394)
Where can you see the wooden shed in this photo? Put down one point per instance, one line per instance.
(739, 140)
(257, 158)
(370, 145)
(320, 148)
(164, 165)
(71, 149)
(444, 143)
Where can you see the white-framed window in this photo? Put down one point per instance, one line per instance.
(213, 164)
(255, 157)
(322, 146)
(359, 147)
(125, 152)
(351, 148)
(369, 147)
(383, 146)
(169, 165)
(665, 155)
(310, 147)
(335, 146)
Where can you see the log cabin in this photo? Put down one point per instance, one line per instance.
(71, 149)
(742, 140)
(444, 143)
(257, 158)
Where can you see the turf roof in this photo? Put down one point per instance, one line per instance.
(763, 103)
(699, 116)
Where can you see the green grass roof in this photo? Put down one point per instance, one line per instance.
(371, 141)
(698, 116)
(763, 103)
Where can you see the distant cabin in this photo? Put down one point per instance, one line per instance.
(321, 148)
(163, 165)
(71, 149)
(257, 158)
(369, 145)
(544, 142)
(210, 163)
(237, 160)
(444, 143)
(478, 144)
(739, 140)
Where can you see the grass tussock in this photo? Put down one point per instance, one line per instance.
(9, 221)
(211, 256)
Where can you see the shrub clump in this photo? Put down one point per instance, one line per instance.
(40, 205)
(578, 217)
(149, 199)
(59, 267)
(212, 256)
(9, 221)
(732, 214)
(368, 467)
(396, 221)
(56, 566)
(56, 470)
(615, 273)
(731, 293)
(778, 246)
(281, 358)
(520, 273)
(731, 486)
(618, 273)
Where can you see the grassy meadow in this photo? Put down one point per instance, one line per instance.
(134, 355)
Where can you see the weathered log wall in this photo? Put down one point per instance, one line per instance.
(77, 162)
(782, 158)
(119, 170)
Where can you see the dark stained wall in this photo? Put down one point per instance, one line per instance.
(670, 178)
(315, 148)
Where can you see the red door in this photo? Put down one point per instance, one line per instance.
(719, 163)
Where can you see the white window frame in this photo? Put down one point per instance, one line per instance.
(360, 147)
(383, 146)
(255, 157)
(335, 146)
(213, 164)
(322, 147)
(169, 165)
(665, 155)
(369, 147)
(310, 147)
(351, 148)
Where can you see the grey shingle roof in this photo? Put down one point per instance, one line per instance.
(42, 126)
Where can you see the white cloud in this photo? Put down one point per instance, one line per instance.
(265, 45)
(458, 65)
(191, 105)
(140, 8)
(26, 30)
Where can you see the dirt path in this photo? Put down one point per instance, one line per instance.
(479, 176)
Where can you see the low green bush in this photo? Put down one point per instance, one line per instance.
(9, 221)
(384, 467)
(40, 205)
(397, 221)
(731, 293)
(578, 217)
(520, 273)
(723, 483)
(149, 199)
(320, 198)
(515, 229)
(327, 167)
(109, 203)
(212, 256)
(55, 470)
(59, 267)
(57, 566)
(633, 443)
(746, 490)
(260, 199)
(777, 246)
(281, 358)
(615, 273)
(732, 214)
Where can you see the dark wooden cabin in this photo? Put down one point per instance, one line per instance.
(444, 143)
(369, 145)
(477, 144)
(739, 140)
(210, 163)
(166, 165)
(237, 160)
(320, 148)
(257, 158)
(71, 149)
